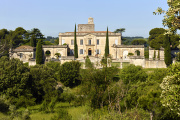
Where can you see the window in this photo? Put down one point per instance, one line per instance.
(72, 42)
(81, 51)
(21, 55)
(97, 41)
(116, 42)
(98, 51)
(72, 52)
(81, 42)
(63, 41)
(89, 42)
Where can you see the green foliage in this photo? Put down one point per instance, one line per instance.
(120, 30)
(47, 43)
(95, 83)
(171, 16)
(107, 45)
(56, 42)
(132, 74)
(44, 82)
(55, 67)
(104, 62)
(69, 73)
(88, 63)
(62, 115)
(39, 53)
(26, 115)
(139, 42)
(15, 83)
(58, 55)
(75, 45)
(156, 38)
(138, 52)
(67, 95)
(130, 54)
(158, 55)
(33, 41)
(157, 75)
(146, 54)
(170, 89)
(4, 107)
(167, 51)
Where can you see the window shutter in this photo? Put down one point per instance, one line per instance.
(83, 51)
(99, 51)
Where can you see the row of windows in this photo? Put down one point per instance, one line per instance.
(81, 51)
(89, 42)
(81, 42)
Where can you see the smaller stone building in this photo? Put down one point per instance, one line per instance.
(24, 53)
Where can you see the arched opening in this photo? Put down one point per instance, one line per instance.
(48, 53)
(89, 51)
(137, 52)
(125, 54)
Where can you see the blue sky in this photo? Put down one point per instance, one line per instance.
(54, 16)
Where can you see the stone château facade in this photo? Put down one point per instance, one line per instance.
(92, 43)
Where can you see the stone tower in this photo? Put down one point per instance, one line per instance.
(86, 27)
(90, 20)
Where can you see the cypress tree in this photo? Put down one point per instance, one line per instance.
(39, 53)
(167, 51)
(107, 45)
(33, 41)
(75, 44)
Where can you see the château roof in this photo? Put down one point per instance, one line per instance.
(24, 48)
(91, 32)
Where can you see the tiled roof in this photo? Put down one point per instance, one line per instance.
(91, 32)
(24, 48)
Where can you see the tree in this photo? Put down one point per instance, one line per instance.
(139, 42)
(75, 44)
(167, 51)
(171, 18)
(107, 45)
(132, 74)
(156, 37)
(171, 88)
(120, 30)
(88, 63)
(15, 82)
(33, 41)
(43, 81)
(69, 73)
(39, 53)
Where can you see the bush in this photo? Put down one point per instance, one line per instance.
(88, 63)
(62, 115)
(4, 107)
(69, 73)
(133, 74)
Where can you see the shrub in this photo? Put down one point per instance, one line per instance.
(69, 73)
(132, 74)
(62, 115)
(130, 54)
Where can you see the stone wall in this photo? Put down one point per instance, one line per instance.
(155, 64)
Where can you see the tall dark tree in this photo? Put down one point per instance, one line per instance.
(167, 51)
(39, 53)
(75, 44)
(107, 45)
(33, 41)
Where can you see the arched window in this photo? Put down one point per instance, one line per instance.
(137, 52)
(47, 53)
